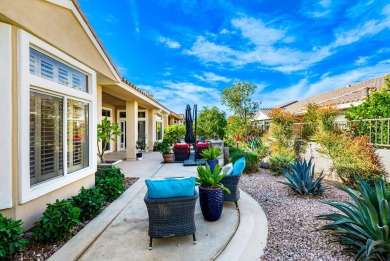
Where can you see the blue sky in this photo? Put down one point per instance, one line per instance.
(187, 51)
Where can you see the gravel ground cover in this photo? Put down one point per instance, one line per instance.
(291, 219)
(39, 251)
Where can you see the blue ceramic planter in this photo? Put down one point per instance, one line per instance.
(211, 203)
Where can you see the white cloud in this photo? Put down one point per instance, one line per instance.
(211, 77)
(367, 29)
(318, 9)
(111, 19)
(132, 6)
(176, 95)
(361, 60)
(170, 43)
(283, 95)
(305, 89)
(257, 32)
(224, 31)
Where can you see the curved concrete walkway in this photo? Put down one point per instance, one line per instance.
(120, 232)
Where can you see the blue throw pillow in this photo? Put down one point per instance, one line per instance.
(239, 166)
(171, 187)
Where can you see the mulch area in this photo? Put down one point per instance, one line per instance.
(291, 219)
(40, 251)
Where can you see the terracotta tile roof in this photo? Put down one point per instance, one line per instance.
(348, 94)
(176, 116)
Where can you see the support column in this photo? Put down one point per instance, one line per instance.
(99, 102)
(151, 128)
(131, 129)
(164, 123)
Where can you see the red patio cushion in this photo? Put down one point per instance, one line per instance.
(182, 146)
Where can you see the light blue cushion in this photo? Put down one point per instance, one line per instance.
(227, 169)
(171, 187)
(239, 166)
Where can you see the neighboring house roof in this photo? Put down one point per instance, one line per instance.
(342, 97)
(175, 115)
(265, 113)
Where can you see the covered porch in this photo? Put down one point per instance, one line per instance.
(138, 115)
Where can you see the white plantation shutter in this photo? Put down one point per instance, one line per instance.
(78, 138)
(46, 136)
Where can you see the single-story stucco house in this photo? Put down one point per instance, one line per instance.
(57, 83)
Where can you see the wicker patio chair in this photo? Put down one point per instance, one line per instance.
(231, 182)
(181, 151)
(171, 217)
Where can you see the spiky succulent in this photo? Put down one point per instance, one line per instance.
(207, 178)
(364, 223)
(301, 178)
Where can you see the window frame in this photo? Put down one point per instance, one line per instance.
(6, 152)
(111, 119)
(27, 82)
(162, 127)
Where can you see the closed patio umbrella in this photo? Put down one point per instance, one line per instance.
(189, 138)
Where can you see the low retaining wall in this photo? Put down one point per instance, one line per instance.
(323, 162)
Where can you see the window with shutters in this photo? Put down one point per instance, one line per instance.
(78, 138)
(57, 101)
(46, 137)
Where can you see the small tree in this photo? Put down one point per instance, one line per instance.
(374, 107)
(211, 121)
(106, 132)
(238, 99)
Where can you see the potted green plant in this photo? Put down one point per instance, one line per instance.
(211, 191)
(210, 155)
(141, 146)
(165, 149)
(106, 132)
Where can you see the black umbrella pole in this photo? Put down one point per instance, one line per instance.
(196, 116)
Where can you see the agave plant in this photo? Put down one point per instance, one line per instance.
(301, 178)
(211, 153)
(207, 178)
(364, 224)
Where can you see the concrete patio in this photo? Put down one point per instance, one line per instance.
(120, 232)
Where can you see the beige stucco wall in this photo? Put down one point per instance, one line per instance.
(57, 26)
(32, 210)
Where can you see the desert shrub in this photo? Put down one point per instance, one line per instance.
(281, 130)
(278, 161)
(57, 222)
(363, 225)
(350, 156)
(301, 178)
(89, 201)
(327, 116)
(233, 150)
(252, 160)
(11, 233)
(255, 145)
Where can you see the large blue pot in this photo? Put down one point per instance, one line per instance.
(211, 203)
(212, 164)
